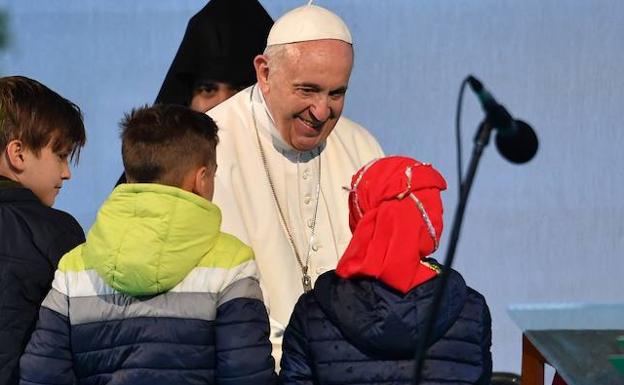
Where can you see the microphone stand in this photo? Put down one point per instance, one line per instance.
(481, 140)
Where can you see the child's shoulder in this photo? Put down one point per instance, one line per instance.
(55, 226)
(228, 252)
(73, 261)
(62, 220)
(229, 262)
(23, 212)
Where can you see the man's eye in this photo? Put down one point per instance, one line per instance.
(337, 94)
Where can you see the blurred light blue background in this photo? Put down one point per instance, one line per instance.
(552, 229)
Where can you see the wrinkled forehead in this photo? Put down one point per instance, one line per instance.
(337, 47)
(321, 54)
(326, 63)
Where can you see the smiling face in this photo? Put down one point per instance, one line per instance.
(304, 87)
(45, 172)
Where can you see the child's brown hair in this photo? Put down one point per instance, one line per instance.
(38, 116)
(161, 143)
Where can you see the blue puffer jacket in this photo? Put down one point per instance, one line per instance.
(157, 295)
(360, 331)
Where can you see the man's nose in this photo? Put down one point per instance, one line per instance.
(320, 109)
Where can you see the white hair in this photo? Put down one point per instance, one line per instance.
(275, 54)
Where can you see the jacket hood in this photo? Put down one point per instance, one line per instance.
(380, 320)
(148, 237)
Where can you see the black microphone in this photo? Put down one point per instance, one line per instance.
(515, 139)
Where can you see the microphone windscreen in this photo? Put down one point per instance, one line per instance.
(518, 145)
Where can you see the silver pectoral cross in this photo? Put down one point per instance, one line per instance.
(306, 280)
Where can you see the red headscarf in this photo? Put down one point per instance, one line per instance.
(395, 215)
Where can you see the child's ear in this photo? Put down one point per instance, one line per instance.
(15, 155)
(198, 179)
(204, 182)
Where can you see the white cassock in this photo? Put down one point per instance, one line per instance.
(250, 212)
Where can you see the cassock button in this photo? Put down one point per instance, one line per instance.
(307, 199)
(310, 222)
(306, 174)
(316, 247)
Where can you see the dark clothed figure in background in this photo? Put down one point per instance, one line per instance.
(40, 132)
(362, 322)
(215, 59)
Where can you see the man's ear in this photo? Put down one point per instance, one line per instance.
(15, 155)
(261, 64)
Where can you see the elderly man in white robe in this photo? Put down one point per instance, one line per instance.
(286, 152)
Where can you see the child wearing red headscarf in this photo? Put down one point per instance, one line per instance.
(362, 322)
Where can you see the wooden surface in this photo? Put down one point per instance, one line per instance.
(532, 364)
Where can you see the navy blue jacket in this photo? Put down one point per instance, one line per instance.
(157, 295)
(153, 350)
(360, 331)
(33, 237)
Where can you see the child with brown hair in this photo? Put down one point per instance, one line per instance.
(157, 294)
(40, 132)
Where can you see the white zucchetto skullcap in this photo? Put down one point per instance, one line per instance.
(306, 23)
